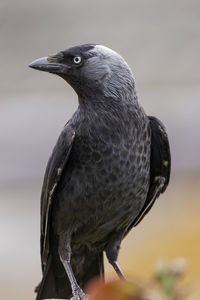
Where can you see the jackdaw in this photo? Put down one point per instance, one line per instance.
(110, 163)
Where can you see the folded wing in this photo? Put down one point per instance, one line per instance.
(56, 164)
(160, 166)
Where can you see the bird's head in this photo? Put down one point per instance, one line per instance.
(91, 70)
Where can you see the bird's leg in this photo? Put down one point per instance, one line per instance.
(112, 251)
(76, 290)
(117, 269)
(65, 257)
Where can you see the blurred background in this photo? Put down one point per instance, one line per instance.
(160, 40)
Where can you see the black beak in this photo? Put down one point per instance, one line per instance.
(43, 64)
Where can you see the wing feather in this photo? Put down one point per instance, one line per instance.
(160, 166)
(56, 164)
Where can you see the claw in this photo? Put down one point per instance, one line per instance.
(81, 296)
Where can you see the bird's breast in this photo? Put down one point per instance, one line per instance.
(106, 181)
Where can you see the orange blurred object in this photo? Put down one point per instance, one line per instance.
(114, 290)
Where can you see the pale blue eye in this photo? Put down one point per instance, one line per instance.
(77, 60)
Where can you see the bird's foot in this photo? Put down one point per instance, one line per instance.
(79, 295)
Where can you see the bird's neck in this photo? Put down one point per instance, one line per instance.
(100, 104)
(95, 115)
(112, 90)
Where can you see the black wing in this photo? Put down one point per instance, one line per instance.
(54, 170)
(160, 166)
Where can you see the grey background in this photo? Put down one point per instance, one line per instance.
(160, 41)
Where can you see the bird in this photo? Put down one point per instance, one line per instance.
(109, 165)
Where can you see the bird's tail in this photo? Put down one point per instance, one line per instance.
(55, 283)
(47, 286)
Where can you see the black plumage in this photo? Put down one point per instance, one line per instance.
(160, 166)
(109, 165)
